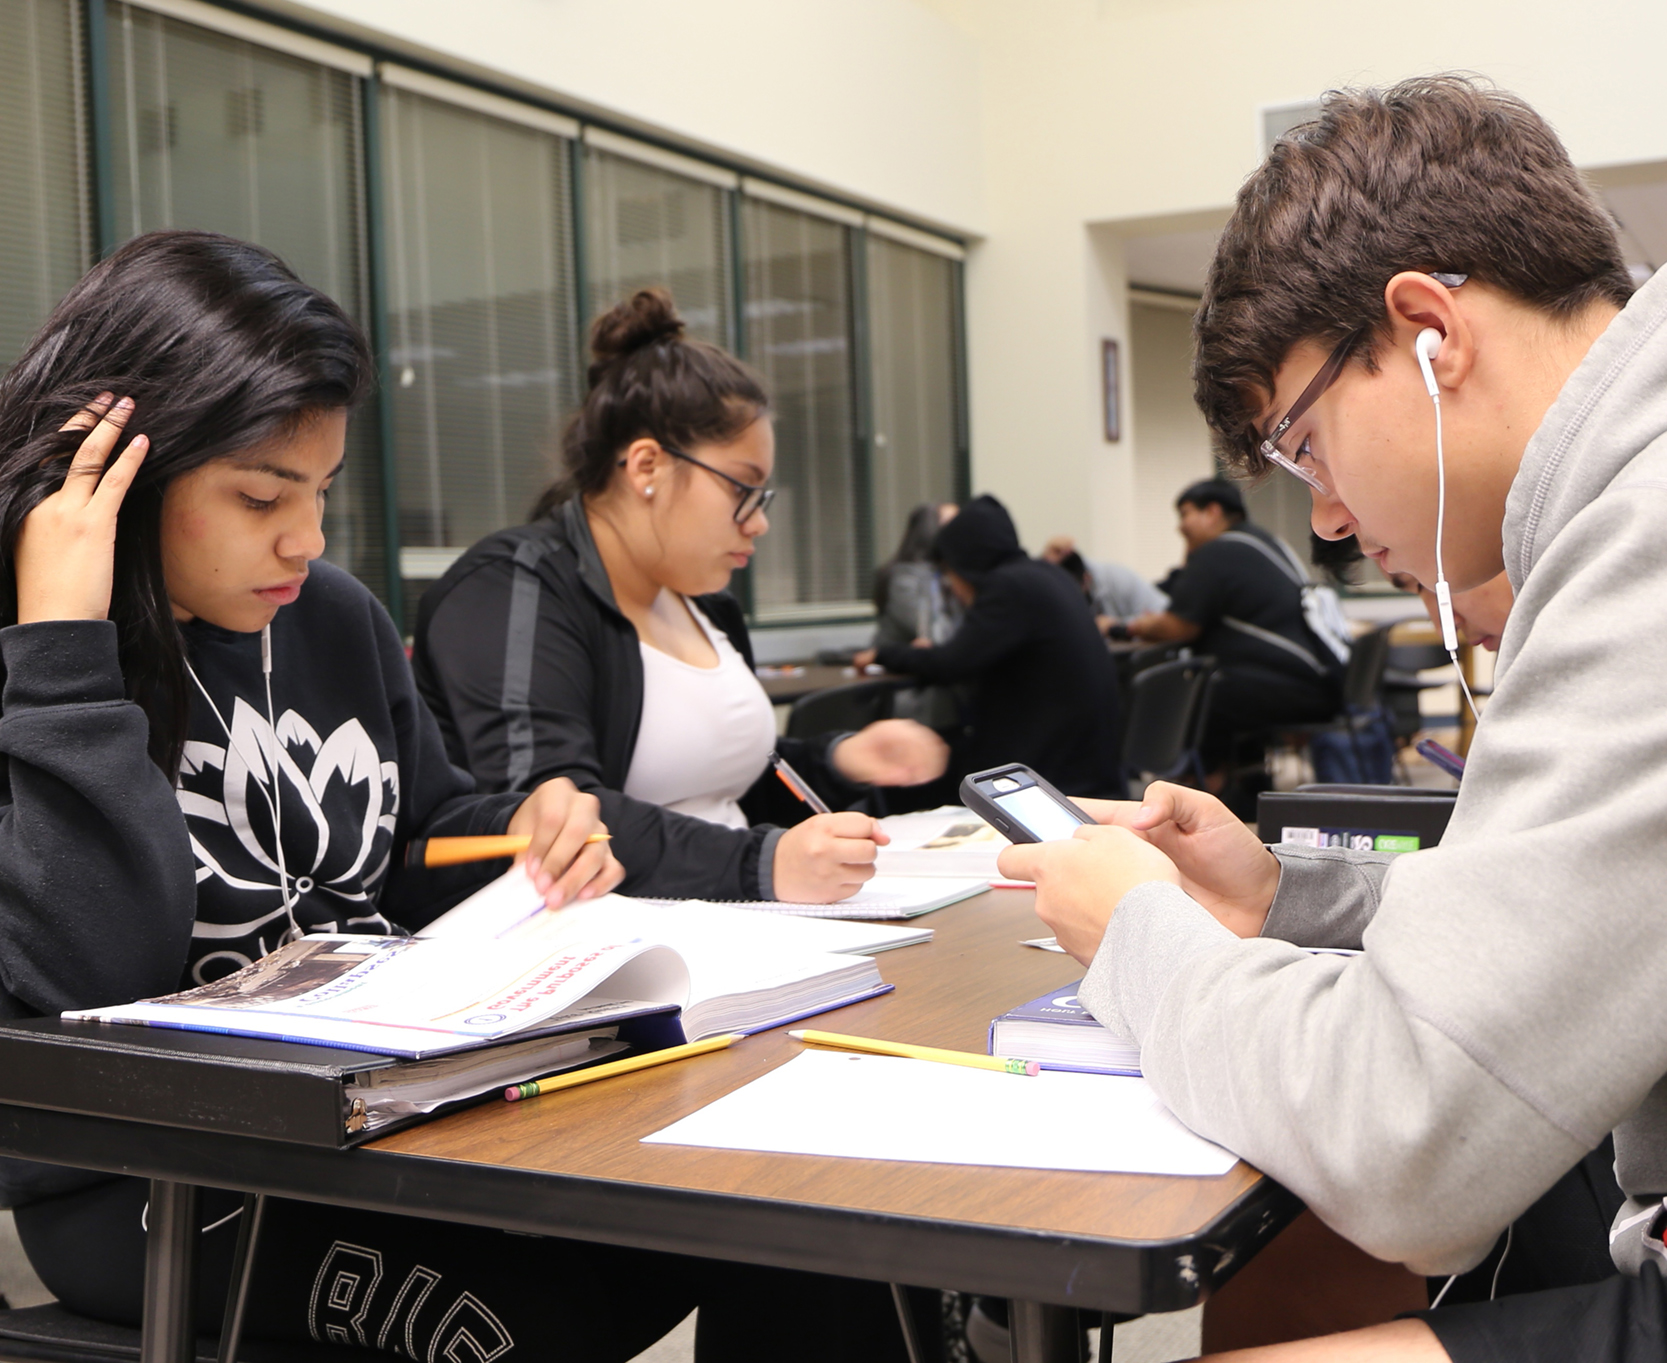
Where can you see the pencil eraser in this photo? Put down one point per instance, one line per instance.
(512, 1094)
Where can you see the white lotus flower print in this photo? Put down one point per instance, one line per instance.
(337, 802)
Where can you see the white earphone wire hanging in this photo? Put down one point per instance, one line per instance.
(1428, 342)
(274, 798)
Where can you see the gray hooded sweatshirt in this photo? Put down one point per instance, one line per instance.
(1511, 1004)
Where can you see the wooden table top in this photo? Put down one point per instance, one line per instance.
(946, 993)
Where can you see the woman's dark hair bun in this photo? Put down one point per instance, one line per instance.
(645, 317)
(649, 378)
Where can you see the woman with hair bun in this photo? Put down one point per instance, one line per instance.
(599, 643)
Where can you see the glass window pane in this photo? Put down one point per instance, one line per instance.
(911, 318)
(218, 133)
(798, 313)
(45, 218)
(481, 323)
(644, 226)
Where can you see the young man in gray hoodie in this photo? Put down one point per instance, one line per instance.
(1510, 1007)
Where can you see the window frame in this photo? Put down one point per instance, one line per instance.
(372, 63)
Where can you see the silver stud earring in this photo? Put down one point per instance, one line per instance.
(648, 492)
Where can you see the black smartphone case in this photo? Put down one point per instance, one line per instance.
(999, 819)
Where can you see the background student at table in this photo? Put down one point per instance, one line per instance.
(133, 661)
(1239, 598)
(1115, 591)
(598, 642)
(1044, 687)
(911, 601)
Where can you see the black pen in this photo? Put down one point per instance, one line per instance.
(798, 785)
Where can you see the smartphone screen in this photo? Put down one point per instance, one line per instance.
(1040, 813)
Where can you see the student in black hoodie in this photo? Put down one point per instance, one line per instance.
(173, 808)
(1045, 687)
(599, 642)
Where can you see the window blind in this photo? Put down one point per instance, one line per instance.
(815, 561)
(213, 131)
(911, 320)
(481, 320)
(45, 217)
(645, 225)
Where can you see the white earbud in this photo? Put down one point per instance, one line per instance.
(1425, 348)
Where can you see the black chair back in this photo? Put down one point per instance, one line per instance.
(1363, 681)
(1166, 713)
(841, 708)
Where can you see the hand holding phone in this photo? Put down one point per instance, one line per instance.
(1020, 805)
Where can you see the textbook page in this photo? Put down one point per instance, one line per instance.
(950, 841)
(747, 970)
(879, 1107)
(511, 906)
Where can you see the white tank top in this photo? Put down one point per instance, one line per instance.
(706, 733)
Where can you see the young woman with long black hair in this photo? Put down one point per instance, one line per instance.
(212, 743)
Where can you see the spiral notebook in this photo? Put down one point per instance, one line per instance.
(883, 897)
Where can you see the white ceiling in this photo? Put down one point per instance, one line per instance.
(1175, 262)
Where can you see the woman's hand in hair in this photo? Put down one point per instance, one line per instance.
(891, 752)
(560, 818)
(65, 558)
(826, 858)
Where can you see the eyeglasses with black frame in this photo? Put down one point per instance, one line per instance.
(750, 500)
(1269, 446)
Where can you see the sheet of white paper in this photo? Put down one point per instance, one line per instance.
(877, 1107)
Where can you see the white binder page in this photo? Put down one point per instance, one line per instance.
(879, 1107)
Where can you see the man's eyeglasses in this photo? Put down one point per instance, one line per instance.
(750, 500)
(1269, 447)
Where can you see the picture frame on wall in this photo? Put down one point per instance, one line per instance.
(1111, 392)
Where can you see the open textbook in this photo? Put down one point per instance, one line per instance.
(747, 970)
(500, 966)
(950, 841)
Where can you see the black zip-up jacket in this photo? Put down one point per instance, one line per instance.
(116, 886)
(1044, 685)
(533, 673)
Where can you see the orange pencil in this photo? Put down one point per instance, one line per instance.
(457, 851)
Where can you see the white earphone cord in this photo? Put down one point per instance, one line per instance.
(274, 800)
(1443, 592)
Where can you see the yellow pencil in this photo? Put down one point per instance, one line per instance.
(456, 851)
(516, 1092)
(971, 1059)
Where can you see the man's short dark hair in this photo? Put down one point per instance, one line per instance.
(1214, 492)
(1440, 173)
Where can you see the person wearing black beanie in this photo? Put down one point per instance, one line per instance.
(1044, 686)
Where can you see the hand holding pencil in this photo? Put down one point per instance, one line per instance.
(568, 854)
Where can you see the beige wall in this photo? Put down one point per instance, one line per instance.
(1171, 442)
(874, 98)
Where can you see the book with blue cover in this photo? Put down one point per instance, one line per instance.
(1058, 1033)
